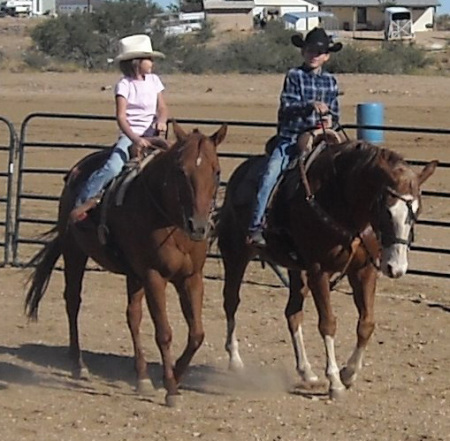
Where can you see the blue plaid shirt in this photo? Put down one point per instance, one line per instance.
(301, 88)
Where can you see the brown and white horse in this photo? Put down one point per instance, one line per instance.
(354, 199)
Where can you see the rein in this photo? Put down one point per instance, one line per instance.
(165, 213)
(352, 239)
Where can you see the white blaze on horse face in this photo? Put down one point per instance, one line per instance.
(199, 161)
(394, 260)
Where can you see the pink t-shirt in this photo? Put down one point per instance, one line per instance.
(142, 97)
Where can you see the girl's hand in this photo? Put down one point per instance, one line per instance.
(161, 127)
(141, 143)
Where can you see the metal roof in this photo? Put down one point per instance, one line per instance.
(362, 3)
(293, 17)
(221, 4)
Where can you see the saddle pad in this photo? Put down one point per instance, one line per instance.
(127, 176)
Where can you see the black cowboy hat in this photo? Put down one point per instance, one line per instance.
(318, 40)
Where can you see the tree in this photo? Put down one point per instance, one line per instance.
(90, 39)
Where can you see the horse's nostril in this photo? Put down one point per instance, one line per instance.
(196, 225)
(390, 271)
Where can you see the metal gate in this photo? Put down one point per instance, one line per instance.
(438, 254)
(7, 150)
(29, 195)
(35, 210)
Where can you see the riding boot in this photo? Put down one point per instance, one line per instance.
(256, 238)
(80, 213)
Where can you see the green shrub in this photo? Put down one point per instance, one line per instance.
(393, 58)
(266, 51)
(35, 60)
(88, 40)
(443, 22)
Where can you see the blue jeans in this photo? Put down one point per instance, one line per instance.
(104, 175)
(282, 154)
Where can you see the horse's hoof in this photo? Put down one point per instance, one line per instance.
(309, 377)
(337, 394)
(144, 387)
(81, 374)
(172, 400)
(236, 366)
(347, 376)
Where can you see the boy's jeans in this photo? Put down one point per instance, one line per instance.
(112, 167)
(282, 154)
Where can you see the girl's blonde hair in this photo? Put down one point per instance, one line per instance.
(130, 68)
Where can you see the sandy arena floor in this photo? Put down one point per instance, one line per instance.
(403, 392)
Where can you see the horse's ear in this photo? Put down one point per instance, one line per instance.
(427, 171)
(179, 132)
(219, 136)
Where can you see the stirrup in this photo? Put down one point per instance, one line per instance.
(256, 239)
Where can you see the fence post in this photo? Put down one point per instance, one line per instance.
(11, 148)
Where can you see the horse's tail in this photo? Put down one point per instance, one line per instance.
(44, 262)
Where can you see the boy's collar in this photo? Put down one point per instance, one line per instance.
(310, 70)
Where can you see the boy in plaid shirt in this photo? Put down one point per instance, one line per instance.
(308, 93)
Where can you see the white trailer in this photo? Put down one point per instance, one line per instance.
(398, 23)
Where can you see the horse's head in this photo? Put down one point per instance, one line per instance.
(397, 209)
(197, 176)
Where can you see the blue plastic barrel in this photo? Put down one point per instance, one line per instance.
(370, 114)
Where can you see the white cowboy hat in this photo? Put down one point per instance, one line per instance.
(136, 46)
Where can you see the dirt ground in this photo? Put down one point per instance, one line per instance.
(403, 392)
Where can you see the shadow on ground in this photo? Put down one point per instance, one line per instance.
(115, 369)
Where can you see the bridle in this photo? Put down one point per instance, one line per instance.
(385, 231)
(184, 179)
(351, 238)
(181, 181)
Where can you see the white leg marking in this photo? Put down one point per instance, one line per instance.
(332, 372)
(303, 365)
(232, 347)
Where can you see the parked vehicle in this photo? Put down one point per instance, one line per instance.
(17, 8)
(185, 23)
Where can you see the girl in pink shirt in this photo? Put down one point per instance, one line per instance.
(140, 112)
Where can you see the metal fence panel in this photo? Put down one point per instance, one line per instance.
(31, 194)
(7, 152)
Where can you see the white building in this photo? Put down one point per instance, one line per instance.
(368, 15)
(350, 14)
(305, 21)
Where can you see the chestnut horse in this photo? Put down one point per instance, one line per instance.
(158, 235)
(328, 219)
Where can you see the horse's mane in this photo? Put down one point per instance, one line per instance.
(348, 172)
(362, 155)
(172, 156)
(354, 158)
